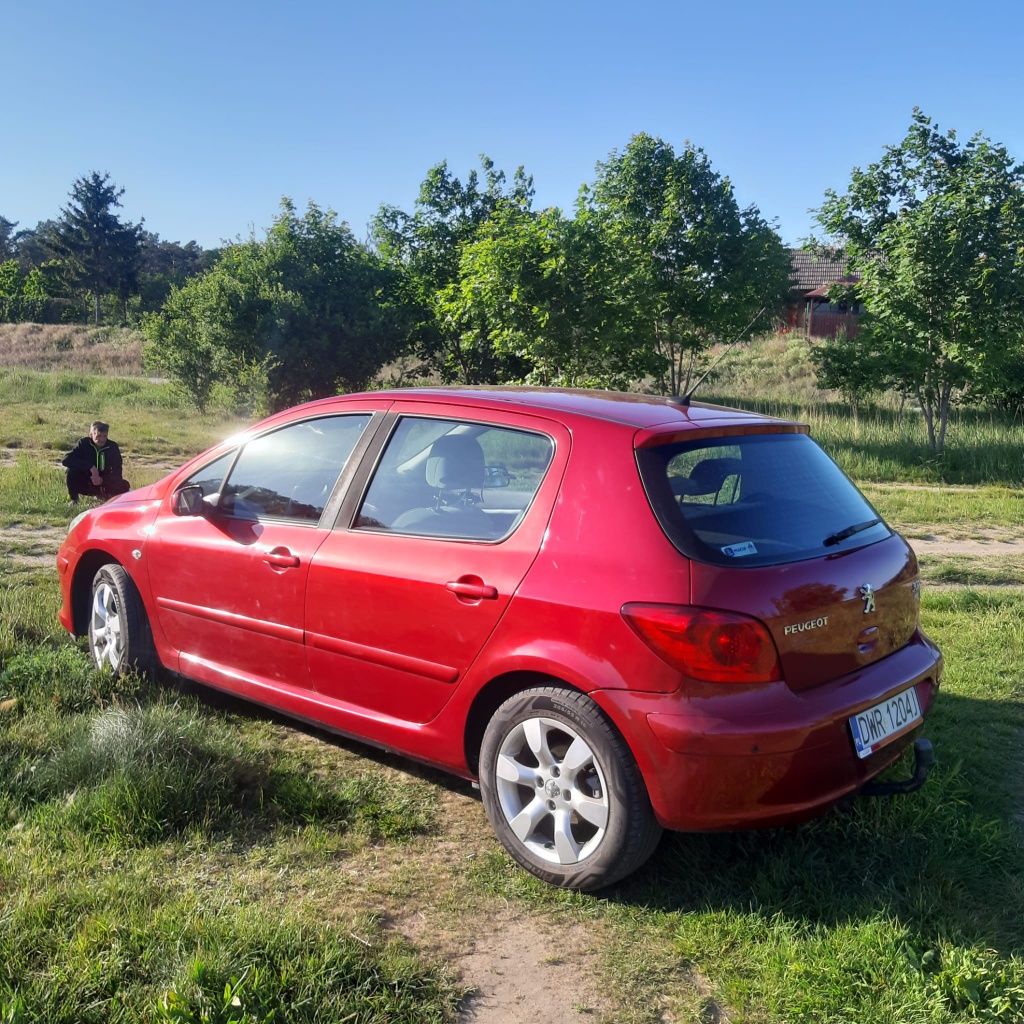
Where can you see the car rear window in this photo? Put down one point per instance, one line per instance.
(759, 499)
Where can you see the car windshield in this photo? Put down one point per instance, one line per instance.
(757, 499)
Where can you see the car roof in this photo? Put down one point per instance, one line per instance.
(635, 410)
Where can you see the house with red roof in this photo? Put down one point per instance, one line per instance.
(809, 309)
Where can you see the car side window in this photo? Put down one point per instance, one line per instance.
(460, 480)
(211, 476)
(289, 473)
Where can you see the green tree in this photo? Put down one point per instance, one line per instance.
(100, 252)
(693, 267)
(426, 247)
(309, 304)
(534, 286)
(193, 339)
(23, 295)
(935, 229)
(32, 246)
(164, 264)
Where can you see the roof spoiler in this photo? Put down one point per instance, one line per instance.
(670, 433)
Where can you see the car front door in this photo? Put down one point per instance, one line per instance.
(404, 593)
(229, 584)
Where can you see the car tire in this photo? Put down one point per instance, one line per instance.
(120, 640)
(563, 792)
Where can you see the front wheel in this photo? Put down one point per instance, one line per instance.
(563, 792)
(119, 636)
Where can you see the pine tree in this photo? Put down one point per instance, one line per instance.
(7, 246)
(100, 252)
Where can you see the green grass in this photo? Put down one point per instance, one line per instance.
(882, 443)
(93, 940)
(125, 807)
(956, 512)
(973, 571)
(882, 446)
(164, 854)
(29, 602)
(778, 365)
(47, 412)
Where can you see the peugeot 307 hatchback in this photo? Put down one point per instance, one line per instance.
(619, 613)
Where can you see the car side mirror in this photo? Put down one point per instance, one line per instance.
(188, 501)
(497, 476)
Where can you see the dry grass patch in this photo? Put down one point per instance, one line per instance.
(113, 351)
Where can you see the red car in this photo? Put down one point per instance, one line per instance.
(620, 613)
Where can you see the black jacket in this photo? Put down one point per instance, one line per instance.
(85, 455)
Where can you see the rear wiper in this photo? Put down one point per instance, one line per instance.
(835, 538)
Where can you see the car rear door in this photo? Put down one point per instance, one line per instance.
(404, 592)
(229, 585)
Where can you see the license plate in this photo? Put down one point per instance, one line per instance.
(875, 726)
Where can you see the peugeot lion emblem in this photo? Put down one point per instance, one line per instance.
(868, 593)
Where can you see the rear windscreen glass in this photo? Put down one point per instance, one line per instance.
(756, 500)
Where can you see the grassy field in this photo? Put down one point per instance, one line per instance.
(882, 443)
(172, 856)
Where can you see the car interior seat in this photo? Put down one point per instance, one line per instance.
(455, 472)
(707, 477)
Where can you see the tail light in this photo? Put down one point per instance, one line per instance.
(718, 647)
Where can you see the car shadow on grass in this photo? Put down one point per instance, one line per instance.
(947, 860)
(214, 698)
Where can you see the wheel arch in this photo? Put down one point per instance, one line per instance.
(81, 586)
(491, 696)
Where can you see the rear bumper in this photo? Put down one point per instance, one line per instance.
(765, 755)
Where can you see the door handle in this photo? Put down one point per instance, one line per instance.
(472, 588)
(281, 558)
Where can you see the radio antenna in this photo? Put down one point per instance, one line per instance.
(685, 399)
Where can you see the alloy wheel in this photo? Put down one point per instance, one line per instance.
(551, 790)
(105, 628)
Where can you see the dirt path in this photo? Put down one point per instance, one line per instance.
(31, 546)
(986, 542)
(521, 968)
(514, 962)
(938, 488)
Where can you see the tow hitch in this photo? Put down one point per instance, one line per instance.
(924, 760)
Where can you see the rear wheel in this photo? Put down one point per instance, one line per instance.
(563, 792)
(119, 637)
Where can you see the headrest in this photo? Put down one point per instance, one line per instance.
(706, 477)
(455, 463)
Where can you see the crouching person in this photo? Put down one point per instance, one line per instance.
(94, 466)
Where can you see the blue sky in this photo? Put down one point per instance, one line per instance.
(207, 113)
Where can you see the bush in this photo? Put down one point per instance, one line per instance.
(856, 367)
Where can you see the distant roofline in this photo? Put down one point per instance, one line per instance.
(809, 271)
